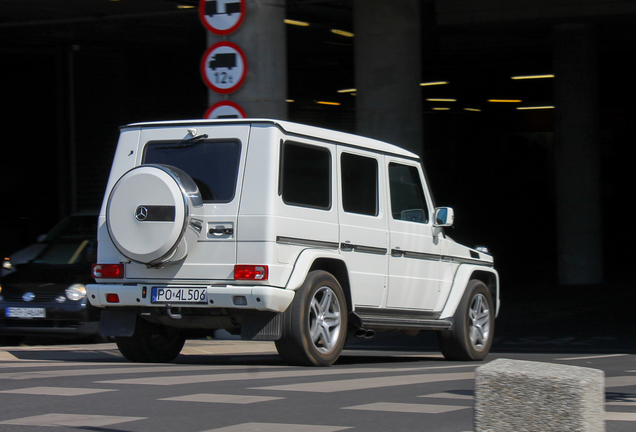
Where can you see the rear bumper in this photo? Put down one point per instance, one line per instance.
(261, 298)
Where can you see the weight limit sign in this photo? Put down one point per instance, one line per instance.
(224, 67)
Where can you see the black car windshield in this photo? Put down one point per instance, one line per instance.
(68, 252)
(75, 227)
(72, 241)
(212, 164)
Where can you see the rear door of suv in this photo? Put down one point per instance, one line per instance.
(214, 157)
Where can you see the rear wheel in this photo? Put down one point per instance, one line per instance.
(315, 324)
(151, 343)
(473, 330)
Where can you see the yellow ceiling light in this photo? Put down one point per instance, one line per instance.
(536, 107)
(472, 109)
(328, 103)
(290, 100)
(522, 77)
(297, 23)
(185, 6)
(433, 83)
(440, 109)
(505, 100)
(441, 100)
(342, 33)
(349, 90)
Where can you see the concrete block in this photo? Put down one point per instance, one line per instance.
(515, 395)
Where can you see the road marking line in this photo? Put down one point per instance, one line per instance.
(408, 408)
(448, 395)
(71, 420)
(278, 427)
(57, 391)
(7, 356)
(591, 357)
(102, 371)
(369, 383)
(620, 381)
(620, 416)
(222, 398)
(251, 376)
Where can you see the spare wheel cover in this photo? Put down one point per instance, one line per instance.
(147, 213)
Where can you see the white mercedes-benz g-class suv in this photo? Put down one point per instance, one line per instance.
(282, 232)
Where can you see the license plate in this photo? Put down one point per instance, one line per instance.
(178, 295)
(18, 312)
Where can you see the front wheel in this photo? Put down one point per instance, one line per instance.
(151, 343)
(473, 330)
(315, 324)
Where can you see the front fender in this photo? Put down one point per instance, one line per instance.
(465, 273)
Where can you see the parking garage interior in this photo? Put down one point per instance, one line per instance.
(74, 71)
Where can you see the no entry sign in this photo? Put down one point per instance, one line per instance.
(221, 17)
(225, 109)
(223, 67)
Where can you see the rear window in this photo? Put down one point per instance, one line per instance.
(213, 165)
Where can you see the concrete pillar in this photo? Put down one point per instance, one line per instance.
(577, 137)
(388, 71)
(262, 37)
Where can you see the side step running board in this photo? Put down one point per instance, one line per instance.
(392, 322)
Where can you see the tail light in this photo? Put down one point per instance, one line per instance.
(107, 271)
(251, 272)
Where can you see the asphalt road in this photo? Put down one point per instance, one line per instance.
(234, 386)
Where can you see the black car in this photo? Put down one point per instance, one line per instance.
(46, 296)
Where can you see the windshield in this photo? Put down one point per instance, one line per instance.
(65, 252)
(213, 165)
(74, 227)
(72, 241)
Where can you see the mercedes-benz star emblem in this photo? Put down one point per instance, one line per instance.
(141, 213)
(27, 297)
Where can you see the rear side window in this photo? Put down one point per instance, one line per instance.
(359, 184)
(213, 165)
(407, 195)
(305, 176)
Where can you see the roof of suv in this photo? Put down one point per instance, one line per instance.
(295, 129)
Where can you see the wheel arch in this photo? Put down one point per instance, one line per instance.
(316, 259)
(464, 274)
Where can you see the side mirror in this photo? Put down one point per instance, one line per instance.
(444, 217)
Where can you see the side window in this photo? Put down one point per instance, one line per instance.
(359, 184)
(305, 176)
(407, 195)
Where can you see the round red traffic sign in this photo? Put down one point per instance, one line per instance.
(221, 17)
(223, 67)
(225, 110)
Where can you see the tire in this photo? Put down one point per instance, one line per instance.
(472, 333)
(315, 324)
(151, 343)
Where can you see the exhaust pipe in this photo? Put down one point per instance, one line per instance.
(364, 333)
